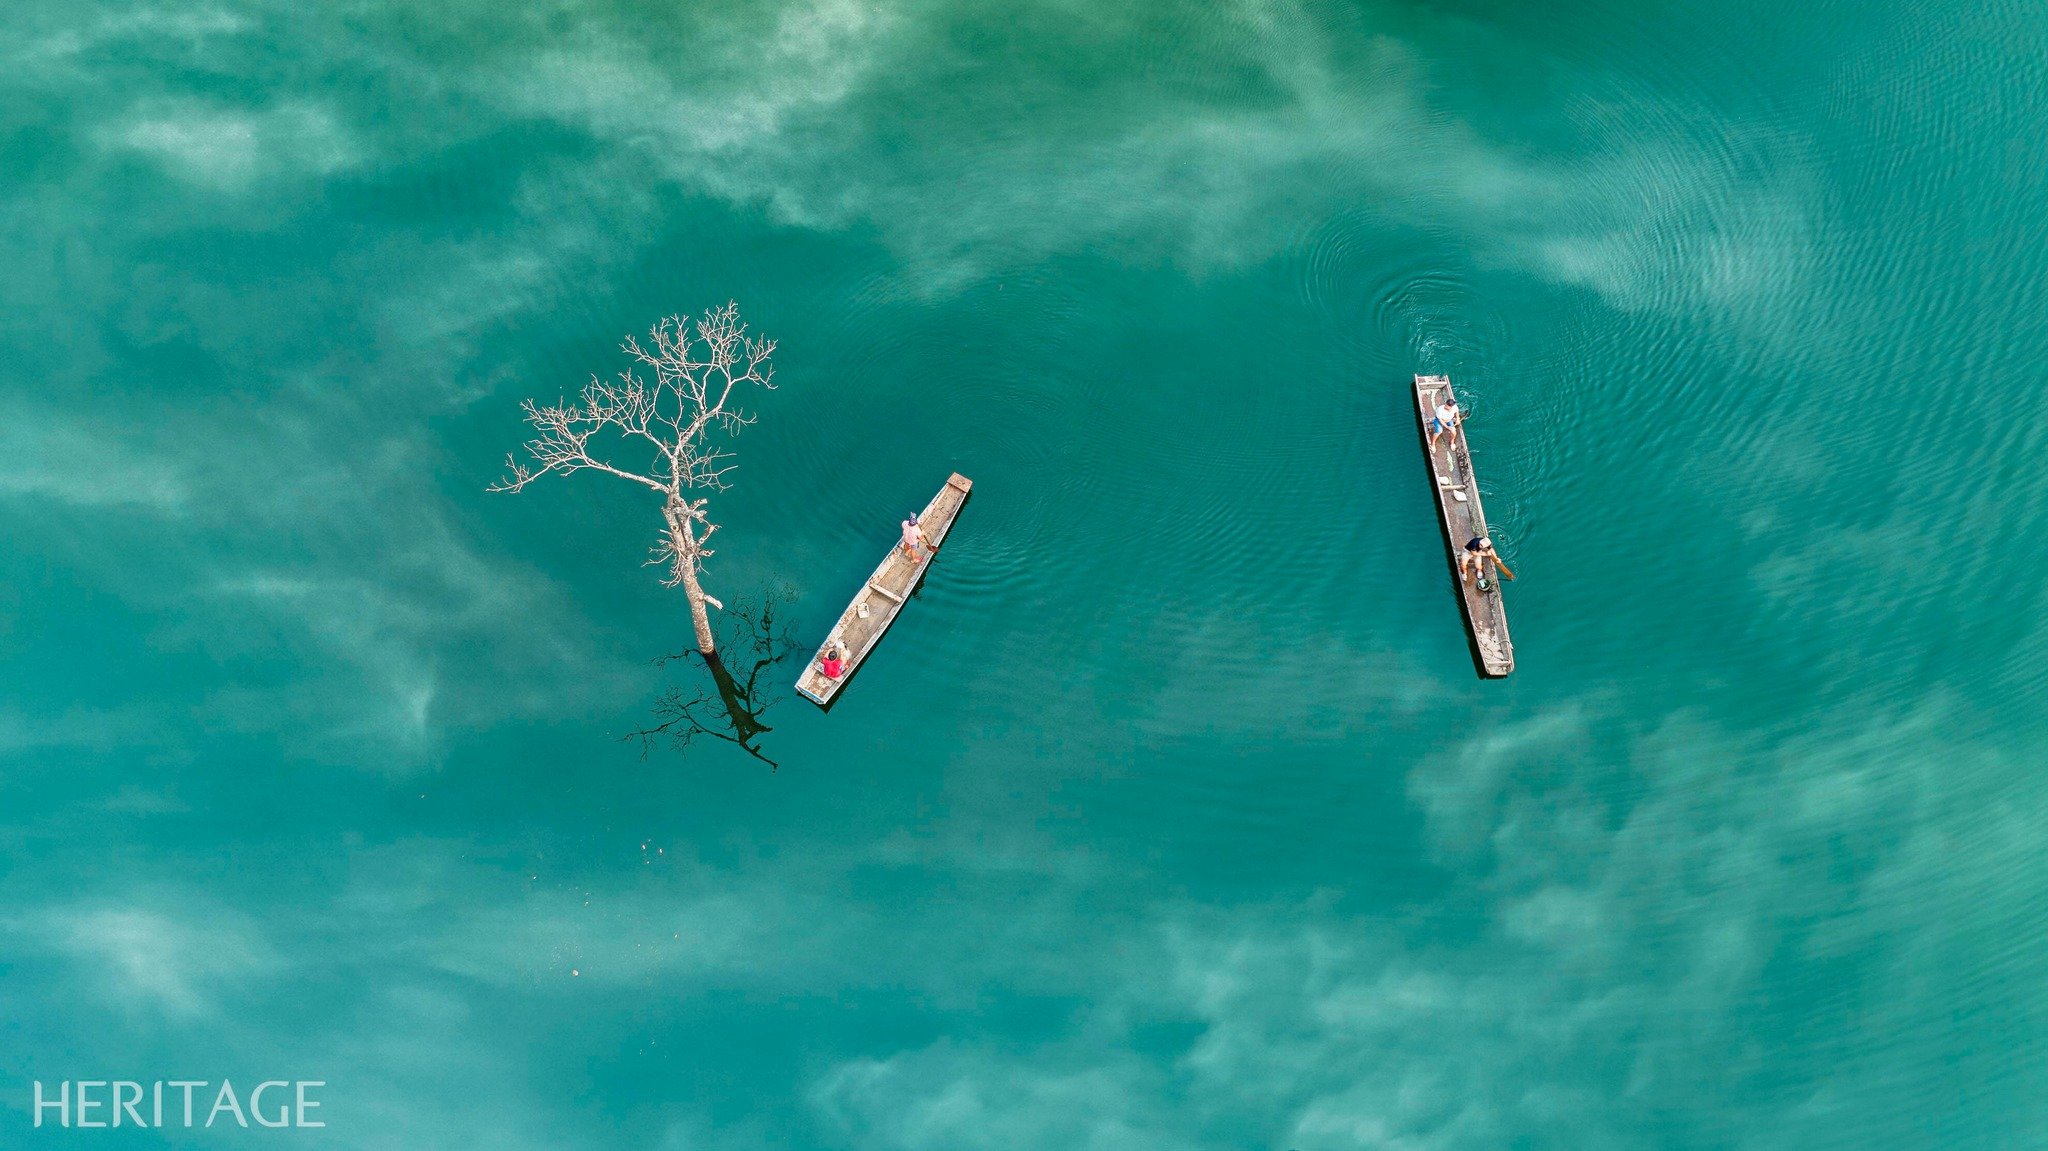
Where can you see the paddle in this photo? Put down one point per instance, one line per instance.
(1505, 573)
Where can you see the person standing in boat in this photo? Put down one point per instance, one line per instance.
(1472, 560)
(1444, 420)
(913, 535)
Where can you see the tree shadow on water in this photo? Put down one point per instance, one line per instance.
(729, 707)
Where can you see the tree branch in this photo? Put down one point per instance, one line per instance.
(699, 374)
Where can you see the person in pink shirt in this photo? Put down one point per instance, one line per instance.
(834, 663)
(913, 535)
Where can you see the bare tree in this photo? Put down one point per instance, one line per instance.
(701, 375)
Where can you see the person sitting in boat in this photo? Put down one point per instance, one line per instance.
(913, 535)
(834, 663)
(1444, 420)
(1472, 560)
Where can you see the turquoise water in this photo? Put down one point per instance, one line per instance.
(1171, 815)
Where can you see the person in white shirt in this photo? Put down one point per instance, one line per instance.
(1445, 419)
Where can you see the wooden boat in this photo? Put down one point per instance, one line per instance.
(1458, 510)
(875, 606)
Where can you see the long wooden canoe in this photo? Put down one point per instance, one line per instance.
(883, 595)
(1457, 504)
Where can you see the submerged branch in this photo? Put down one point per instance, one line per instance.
(730, 706)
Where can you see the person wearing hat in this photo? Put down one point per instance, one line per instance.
(913, 535)
(1472, 560)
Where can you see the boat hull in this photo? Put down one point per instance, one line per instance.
(1451, 477)
(884, 594)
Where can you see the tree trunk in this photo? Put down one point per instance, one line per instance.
(683, 542)
(694, 591)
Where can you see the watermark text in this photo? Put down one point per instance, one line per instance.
(176, 1103)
